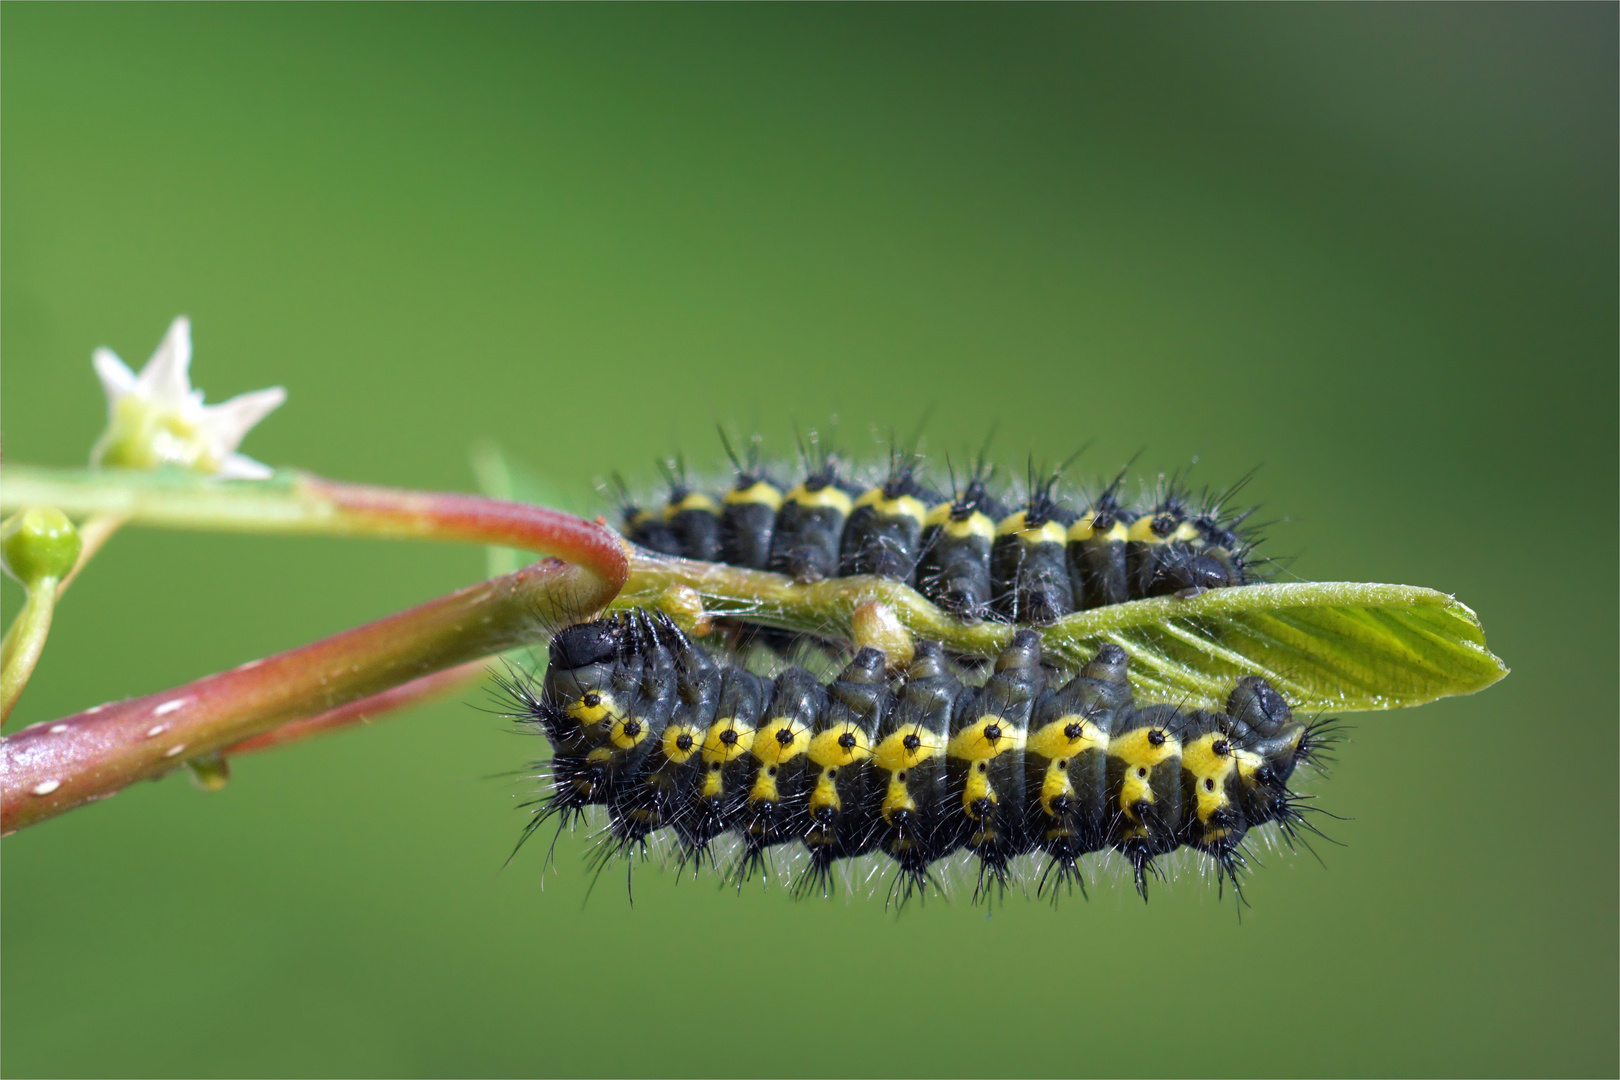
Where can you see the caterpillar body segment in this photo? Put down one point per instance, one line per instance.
(1028, 559)
(986, 759)
(840, 805)
(954, 569)
(1033, 765)
(1029, 562)
(773, 810)
(1096, 552)
(884, 533)
(915, 823)
(1066, 764)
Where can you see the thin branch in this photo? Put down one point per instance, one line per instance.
(1333, 645)
(25, 641)
(51, 768)
(301, 503)
(363, 711)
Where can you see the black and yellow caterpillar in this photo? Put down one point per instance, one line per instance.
(664, 735)
(978, 556)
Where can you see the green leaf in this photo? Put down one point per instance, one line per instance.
(1328, 646)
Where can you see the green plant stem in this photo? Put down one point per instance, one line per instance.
(301, 503)
(1326, 645)
(25, 640)
(51, 768)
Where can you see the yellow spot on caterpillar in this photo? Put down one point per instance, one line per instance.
(1209, 771)
(772, 748)
(764, 789)
(898, 798)
(760, 492)
(680, 742)
(1053, 740)
(900, 506)
(1248, 762)
(727, 739)
(695, 501)
(906, 749)
(977, 791)
(1144, 746)
(713, 782)
(626, 732)
(975, 524)
(830, 496)
(1050, 532)
(1055, 785)
(825, 795)
(1136, 788)
(842, 745)
(987, 737)
(592, 708)
(1142, 532)
(641, 517)
(1086, 529)
(602, 754)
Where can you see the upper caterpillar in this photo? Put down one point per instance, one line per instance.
(971, 552)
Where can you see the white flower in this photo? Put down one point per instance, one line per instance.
(156, 418)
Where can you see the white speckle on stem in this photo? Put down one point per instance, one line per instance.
(169, 706)
(57, 729)
(45, 787)
(156, 730)
(173, 750)
(249, 666)
(93, 710)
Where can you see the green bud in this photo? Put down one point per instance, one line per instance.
(38, 542)
(210, 772)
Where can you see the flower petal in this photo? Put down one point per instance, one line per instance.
(167, 376)
(242, 467)
(117, 381)
(225, 424)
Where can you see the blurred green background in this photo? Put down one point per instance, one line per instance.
(1368, 248)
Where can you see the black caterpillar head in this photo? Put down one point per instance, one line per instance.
(588, 643)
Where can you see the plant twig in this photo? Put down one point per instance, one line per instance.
(25, 641)
(301, 503)
(51, 768)
(1326, 645)
(364, 710)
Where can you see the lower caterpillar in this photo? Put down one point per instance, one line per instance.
(670, 739)
(1029, 561)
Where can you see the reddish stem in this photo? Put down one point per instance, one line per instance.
(366, 709)
(51, 768)
(452, 516)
